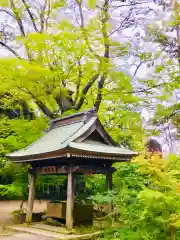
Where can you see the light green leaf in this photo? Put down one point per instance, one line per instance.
(58, 4)
(92, 4)
(4, 3)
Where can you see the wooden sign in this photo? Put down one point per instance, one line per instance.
(53, 170)
(48, 170)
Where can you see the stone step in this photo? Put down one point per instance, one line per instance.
(46, 233)
(57, 229)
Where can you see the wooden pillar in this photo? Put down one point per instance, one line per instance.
(32, 183)
(70, 201)
(109, 187)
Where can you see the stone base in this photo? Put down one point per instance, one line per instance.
(51, 231)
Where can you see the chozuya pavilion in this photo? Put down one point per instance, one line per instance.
(77, 144)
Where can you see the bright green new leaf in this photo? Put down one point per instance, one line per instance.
(4, 3)
(92, 4)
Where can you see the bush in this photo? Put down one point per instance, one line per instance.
(147, 199)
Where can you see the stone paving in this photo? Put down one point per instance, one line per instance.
(23, 236)
(39, 232)
(47, 233)
(9, 235)
(6, 207)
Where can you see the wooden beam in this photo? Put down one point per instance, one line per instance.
(76, 169)
(109, 187)
(70, 201)
(93, 169)
(109, 180)
(32, 183)
(74, 153)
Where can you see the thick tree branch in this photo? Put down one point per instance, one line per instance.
(85, 91)
(18, 18)
(30, 15)
(21, 26)
(100, 89)
(81, 13)
(44, 109)
(78, 82)
(48, 14)
(10, 49)
(42, 106)
(104, 20)
(42, 16)
(64, 102)
(79, 3)
(177, 111)
(79, 103)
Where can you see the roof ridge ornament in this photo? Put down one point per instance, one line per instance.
(71, 116)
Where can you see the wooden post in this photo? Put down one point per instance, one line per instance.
(109, 187)
(70, 201)
(32, 183)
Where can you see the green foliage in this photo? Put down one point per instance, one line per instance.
(92, 4)
(165, 80)
(147, 200)
(19, 211)
(16, 134)
(95, 184)
(4, 3)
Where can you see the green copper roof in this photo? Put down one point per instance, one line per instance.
(72, 133)
(93, 146)
(55, 139)
(51, 141)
